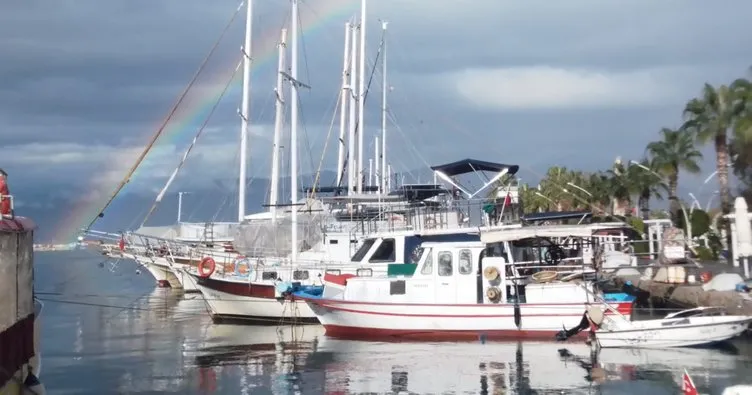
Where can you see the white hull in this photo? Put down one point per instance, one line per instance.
(162, 273)
(444, 321)
(675, 332)
(225, 305)
(185, 279)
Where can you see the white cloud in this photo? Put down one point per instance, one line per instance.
(544, 87)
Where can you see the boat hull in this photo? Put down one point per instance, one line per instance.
(699, 332)
(347, 319)
(250, 303)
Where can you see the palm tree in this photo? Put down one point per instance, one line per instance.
(647, 184)
(600, 186)
(713, 116)
(674, 152)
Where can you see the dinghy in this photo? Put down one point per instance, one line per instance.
(694, 327)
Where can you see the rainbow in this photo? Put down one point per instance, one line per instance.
(315, 14)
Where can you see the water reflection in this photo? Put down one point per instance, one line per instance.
(128, 337)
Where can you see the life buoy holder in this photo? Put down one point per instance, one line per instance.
(491, 273)
(203, 271)
(493, 294)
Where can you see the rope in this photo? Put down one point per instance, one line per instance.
(156, 135)
(193, 144)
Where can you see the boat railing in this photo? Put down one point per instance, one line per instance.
(419, 216)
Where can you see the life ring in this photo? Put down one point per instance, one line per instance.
(241, 260)
(544, 276)
(202, 270)
(493, 294)
(491, 273)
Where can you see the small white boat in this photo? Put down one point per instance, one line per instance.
(694, 327)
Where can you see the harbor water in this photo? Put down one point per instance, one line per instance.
(108, 329)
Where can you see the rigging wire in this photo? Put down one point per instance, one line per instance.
(156, 135)
(193, 144)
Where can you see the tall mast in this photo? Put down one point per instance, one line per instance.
(361, 92)
(351, 177)
(344, 96)
(376, 180)
(278, 121)
(384, 89)
(294, 132)
(244, 111)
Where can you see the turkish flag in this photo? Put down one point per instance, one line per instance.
(121, 244)
(507, 200)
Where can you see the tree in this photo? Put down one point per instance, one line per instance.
(674, 152)
(645, 180)
(713, 116)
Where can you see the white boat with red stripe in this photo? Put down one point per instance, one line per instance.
(466, 290)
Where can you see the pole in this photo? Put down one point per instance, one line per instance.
(279, 116)
(361, 93)
(384, 89)
(244, 110)
(344, 96)
(353, 92)
(294, 134)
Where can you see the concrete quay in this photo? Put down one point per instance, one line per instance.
(660, 294)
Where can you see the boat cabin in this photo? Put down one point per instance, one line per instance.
(467, 273)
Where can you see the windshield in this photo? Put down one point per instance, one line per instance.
(363, 250)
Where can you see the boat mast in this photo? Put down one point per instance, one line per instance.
(278, 121)
(344, 96)
(376, 179)
(361, 93)
(244, 113)
(294, 133)
(353, 97)
(384, 88)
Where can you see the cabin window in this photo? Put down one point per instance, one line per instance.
(300, 275)
(364, 272)
(363, 250)
(428, 264)
(333, 241)
(397, 287)
(466, 262)
(333, 271)
(385, 252)
(269, 275)
(445, 263)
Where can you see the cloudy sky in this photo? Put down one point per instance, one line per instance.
(85, 83)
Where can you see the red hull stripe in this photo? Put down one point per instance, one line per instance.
(350, 332)
(557, 305)
(625, 311)
(249, 290)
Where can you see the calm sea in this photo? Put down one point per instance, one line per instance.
(108, 330)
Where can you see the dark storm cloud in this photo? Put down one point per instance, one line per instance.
(80, 72)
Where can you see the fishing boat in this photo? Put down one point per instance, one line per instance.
(514, 283)
(693, 327)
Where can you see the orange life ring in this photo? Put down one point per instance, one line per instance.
(202, 267)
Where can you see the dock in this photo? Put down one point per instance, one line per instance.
(19, 324)
(687, 295)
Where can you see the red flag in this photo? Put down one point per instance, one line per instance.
(688, 386)
(508, 200)
(121, 244)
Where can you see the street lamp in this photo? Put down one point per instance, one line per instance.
(580, 188)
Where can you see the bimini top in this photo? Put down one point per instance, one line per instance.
(466, 166)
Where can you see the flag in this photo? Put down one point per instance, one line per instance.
(121, 244)
(508, 200)
(688, 386)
